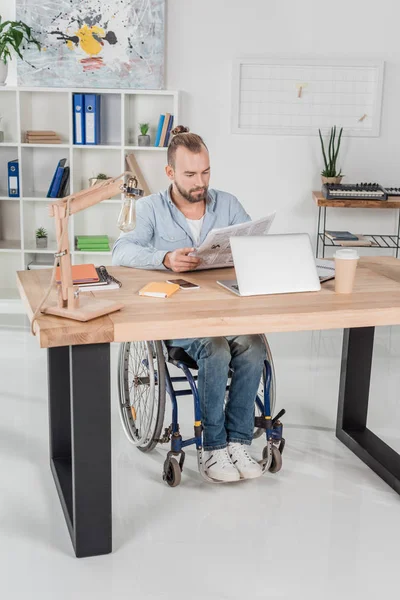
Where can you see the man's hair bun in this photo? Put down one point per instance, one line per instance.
(180, 129)
(181, 136)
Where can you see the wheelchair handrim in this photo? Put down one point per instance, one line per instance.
(124, 394)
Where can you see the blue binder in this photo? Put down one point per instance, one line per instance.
(56, 181)
(167, 135)
(13, 178)
(79, 119)
(159, 129)
(92, 118)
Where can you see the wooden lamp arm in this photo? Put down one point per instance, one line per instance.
(61, 210)
(91, 196)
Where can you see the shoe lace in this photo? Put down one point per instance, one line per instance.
(223, 457)
(239, 451)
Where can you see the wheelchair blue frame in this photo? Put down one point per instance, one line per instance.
(273, 429)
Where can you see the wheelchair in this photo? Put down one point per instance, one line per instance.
(144, 381)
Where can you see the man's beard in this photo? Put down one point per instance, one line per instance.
(191, 196)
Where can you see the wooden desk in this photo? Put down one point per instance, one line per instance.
(79, 368)
(382, 241)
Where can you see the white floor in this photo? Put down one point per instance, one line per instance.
(324, 527)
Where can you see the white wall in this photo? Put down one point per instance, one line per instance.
(268, 172)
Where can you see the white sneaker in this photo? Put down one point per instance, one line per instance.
(244, 463)
(218, 465)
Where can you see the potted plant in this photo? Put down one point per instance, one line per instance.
(144, 139)
(100, 177)
(330, 174)
(12, 35)
(41, 238)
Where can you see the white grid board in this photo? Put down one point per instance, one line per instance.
(267, 98)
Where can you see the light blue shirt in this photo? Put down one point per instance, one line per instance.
(161, 227)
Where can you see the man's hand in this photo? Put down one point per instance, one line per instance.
(179, 261)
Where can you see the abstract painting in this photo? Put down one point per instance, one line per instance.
(94, 43)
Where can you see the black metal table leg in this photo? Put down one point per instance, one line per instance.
(323, 242)
(80, 442)
(318, 228)
(351, 427)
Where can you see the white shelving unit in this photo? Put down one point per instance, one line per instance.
(51, 108)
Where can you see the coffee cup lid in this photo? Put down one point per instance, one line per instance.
(347, 253)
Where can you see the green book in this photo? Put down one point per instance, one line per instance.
(92, 238)
(92, 244)
(94, 250)
(93, 247)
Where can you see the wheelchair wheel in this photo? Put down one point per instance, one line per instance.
(172, 472)
(258, 432)
(141, 387)
(276, 464)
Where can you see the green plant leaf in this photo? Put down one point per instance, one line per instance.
(330, 151)
(41, 232)
(12, 36)
(323, 149)
(338, 145)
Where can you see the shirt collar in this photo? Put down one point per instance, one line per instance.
(209, 204)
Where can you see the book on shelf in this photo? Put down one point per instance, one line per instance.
(93, 247)
(361, 241)
(95, 243)
(86, 119)
(55, 185)
(335, 236)
(159, 130)
(42, 137)
(170, 125)
(92, 238)
(164, 130)
(92, 243)
(64, 185)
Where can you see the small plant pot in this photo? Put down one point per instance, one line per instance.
(331, 179)
(41, 242)
(143, 140)
(94, 180)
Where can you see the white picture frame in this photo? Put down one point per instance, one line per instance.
(265, 96)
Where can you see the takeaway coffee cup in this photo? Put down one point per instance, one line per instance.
(346, 261)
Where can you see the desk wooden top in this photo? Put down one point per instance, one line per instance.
(391, 202)
(213, 311)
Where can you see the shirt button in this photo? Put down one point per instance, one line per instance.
(172, 238)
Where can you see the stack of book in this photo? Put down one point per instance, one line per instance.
(346, 238)
(42, 137)
(165, 123)
(92, 243)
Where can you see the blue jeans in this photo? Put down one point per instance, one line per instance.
(245, 355)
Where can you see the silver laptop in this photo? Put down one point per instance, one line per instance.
(273, 264)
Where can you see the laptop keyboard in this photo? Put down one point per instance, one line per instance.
(236, 287)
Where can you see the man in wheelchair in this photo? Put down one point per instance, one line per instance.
(169, 226)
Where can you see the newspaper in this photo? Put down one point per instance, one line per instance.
(215, 251)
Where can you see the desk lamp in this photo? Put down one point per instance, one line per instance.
(70, 305)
